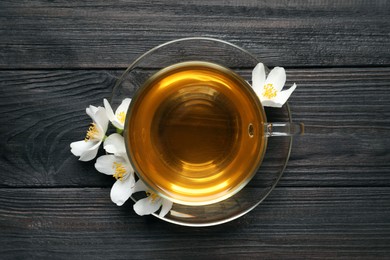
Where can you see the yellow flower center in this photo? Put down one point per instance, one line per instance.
(153, 196)
(121, 117)
(120, 170)
(92, 132)
(269, 91)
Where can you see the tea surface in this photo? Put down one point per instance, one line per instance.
(194, 133)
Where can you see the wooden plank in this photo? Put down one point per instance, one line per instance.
(292, 222)
(42, 112)
(346, 113)
(98, 34)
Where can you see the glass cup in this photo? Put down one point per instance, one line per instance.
(197, 134)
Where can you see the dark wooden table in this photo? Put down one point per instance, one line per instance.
(58, 57)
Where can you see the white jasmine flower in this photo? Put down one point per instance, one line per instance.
(120, 168)
(117, 119)
(88, 148)
(151, 203)
(270, 90)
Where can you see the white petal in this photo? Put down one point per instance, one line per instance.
(127, 164)
(122, 190)
(110, 115)
(270, 103)
(277, 77)
(86, 150)
(282, 96)
(147, 206)
(118, 124)
(80, 147)
(90, 153)
(91, 110)
(166, 207)
(115, 144)
(124, 106)
(140, 186)
(98, 116)
(104, 164)
(258, 78)
(101, 119)
(109, 111)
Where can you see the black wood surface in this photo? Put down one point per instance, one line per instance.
(101, 34)
(291, 223)
(58, 57)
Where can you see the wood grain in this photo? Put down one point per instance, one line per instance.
(306, 222)
(101, 34)
(42, 112)
(346, 113)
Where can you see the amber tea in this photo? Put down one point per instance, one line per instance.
(194, 133)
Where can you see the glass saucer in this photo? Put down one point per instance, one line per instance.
(242, 62)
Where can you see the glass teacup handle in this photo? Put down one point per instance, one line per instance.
(283, 129)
